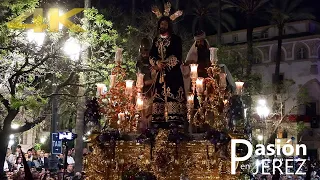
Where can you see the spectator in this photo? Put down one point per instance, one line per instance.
(70, 159)
(276, 176)
(70, 171)
(43, 161)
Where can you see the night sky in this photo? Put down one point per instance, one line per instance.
(146, 5)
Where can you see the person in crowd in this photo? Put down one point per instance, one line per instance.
(10, 158)
(70, 159)
(70, 171)
(18, 151)
(43, 161)
(18, 164)
(29, 160)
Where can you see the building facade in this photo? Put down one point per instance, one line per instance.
(300, 62)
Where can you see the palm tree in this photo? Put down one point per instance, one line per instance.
(282, 12)
(249, 8)
(209, 13)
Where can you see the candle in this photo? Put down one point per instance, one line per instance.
(239, 86)
(223, 82)
(121, 117)
(140, 77)
(199, 85)
(213, 55)
(129, 86)
(225, 101)
(118, 57)
(190, 100)
(193, 71)
(139, 104)
(101, 89)
(112, 80)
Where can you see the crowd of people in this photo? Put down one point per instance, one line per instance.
(35, 165)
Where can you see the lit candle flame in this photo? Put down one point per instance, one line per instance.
(129, 86)
(199, 84)
(101, 89)
(140, 77)
(139, 103)
(213, 55)
(193, 71)
(239, 86)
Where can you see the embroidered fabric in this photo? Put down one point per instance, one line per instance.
(164, 43)
(172, 61)
(179, 98)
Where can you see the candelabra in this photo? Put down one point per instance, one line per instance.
(212, 96)
(123, 102)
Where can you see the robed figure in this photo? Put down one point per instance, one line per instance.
(143, 66)
(199, 53)
(169, 103)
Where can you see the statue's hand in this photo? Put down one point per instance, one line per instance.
(161, 65)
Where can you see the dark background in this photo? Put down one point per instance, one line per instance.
(145, 5)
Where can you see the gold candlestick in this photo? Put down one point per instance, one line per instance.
(190, 107)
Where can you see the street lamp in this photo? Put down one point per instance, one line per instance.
(37, 38)
(15, 126)
(43, 140)
(263, 111)
(72, 48)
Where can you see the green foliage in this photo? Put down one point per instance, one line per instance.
(16, 7)
(237, 65)
(37, 146)
(300, 127)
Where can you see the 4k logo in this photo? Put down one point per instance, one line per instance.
(55, 18)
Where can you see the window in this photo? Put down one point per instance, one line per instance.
(235, 38)
(256, 60)
(302, 53)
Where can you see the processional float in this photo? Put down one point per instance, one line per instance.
(120, 151)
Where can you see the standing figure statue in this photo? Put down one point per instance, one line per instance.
(169, 103)
(143, 66)
(199, 53)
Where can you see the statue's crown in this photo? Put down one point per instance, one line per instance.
(167, 8)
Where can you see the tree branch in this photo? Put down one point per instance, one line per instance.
(65, 83)
(62, 94)
(29, 125)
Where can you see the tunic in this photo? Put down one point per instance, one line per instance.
(203, 61)
(144, 67)
(172, 87)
